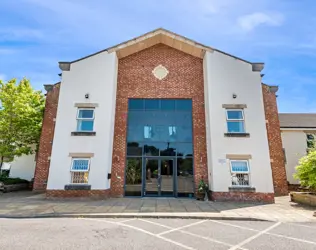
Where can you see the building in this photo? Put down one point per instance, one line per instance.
(21, 167)
(156, 114)
(298, 133)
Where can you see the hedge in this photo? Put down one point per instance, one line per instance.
(11, 181)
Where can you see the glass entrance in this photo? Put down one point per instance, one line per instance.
(159, 148)
(151, 185)
(159, 177)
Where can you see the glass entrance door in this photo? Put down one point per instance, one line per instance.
(159, 177)
(166, 177)
(151, 183)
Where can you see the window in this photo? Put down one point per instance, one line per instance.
(85, 120)
(80, 170)
(311, 141)
(148, 132)
(235, 121)
(240, 173)
(172, 132)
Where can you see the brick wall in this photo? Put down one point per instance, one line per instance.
(77, 193)
(135, 80)
(275, 141)
(47, 135)
(243, 196)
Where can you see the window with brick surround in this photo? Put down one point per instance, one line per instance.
(235, 121)
(80, 170)
(85, 119)
(240, 173)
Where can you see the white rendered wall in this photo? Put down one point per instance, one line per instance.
(226, 76)
(97, 76)
(295, 145)
(23, 167)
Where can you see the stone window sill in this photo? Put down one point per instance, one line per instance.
(83, 133)
(77, 187)
(242, 189)
(237, 135)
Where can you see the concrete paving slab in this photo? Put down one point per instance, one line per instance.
(148, 209)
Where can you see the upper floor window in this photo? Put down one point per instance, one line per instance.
(80, 170)
(85, 119)
(240, 172)
(311, 141)
(235, 121)
(148, 132)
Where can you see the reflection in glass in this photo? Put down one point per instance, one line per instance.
(185, 178)
(152, 177)
(184, 149)
(168, 105)
(168, 149)
(234, 115)
(135, 104)
(184, 105)
(160, 128)
(134, 149)
(166, 177)
(151, 104)
(133, 177)
(236, 127)
(172, 133)
(151, 149)
(148, 132)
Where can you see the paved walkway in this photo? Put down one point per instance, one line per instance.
(28, 204)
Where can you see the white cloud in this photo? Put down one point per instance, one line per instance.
(251, 21)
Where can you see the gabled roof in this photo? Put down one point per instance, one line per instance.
(296, 120)
(160, 36)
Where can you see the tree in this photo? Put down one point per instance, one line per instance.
(306, 170)
(21, 114)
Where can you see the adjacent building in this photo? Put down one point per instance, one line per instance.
(298, 137)
(153, 116)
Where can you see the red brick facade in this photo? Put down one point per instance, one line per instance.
(46, 140)
(78, 193)
(275, 141)
(136, 80)
(243, 196)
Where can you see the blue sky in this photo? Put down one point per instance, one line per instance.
(36, 34)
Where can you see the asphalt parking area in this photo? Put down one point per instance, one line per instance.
(93, 233)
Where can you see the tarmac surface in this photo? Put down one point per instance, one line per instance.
(137, 233)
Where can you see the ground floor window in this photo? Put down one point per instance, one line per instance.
(133, 177)
(80, 170)
(240, 173)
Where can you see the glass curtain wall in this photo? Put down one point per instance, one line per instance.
(159, 129)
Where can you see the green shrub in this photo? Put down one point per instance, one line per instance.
(10, 181)
(306, 170)
(203, 187)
